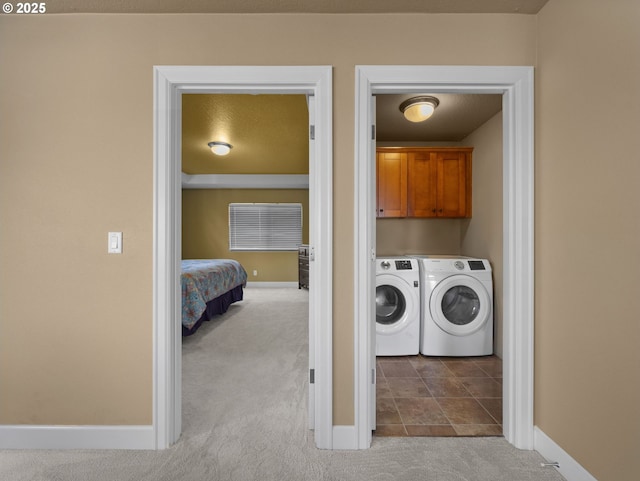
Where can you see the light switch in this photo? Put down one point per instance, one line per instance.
(115, 243)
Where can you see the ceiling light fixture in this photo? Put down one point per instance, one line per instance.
(418, 109)
(220, 148)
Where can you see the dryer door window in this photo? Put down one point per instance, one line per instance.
(390, 305)
(460, 305)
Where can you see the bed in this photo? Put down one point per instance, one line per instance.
(209, 287)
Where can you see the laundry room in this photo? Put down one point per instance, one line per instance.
(439, 217)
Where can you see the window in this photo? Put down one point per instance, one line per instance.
(265, 227)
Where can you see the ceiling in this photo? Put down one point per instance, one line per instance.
(269, 132)
(295, 6)
(455, 118)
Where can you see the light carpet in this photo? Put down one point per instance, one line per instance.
(245, 418)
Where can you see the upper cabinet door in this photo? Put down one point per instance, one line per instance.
(423, 184)
(454, 184)
(392, 184)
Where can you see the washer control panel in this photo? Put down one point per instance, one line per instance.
(398, 265)
(403, 265)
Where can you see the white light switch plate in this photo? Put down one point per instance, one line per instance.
(114, 243)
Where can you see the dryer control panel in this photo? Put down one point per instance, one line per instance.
(476, 266)
(460, 265)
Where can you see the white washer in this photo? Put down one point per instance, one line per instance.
(457, 306)
(397, 306)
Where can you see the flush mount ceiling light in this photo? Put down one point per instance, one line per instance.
(220, 148)
(418, 109)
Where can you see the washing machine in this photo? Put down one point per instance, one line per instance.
(397, 306)
(457, 306)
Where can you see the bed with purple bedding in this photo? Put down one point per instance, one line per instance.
(209, 287)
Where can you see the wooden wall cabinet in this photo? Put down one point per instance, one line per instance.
(391, 170)
(438, 182)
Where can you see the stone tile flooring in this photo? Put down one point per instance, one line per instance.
(439, 396)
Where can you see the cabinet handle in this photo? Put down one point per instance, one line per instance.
(440, 210)
(433, 211)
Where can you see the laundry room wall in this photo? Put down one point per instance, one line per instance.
(417, 236)
(481, 235)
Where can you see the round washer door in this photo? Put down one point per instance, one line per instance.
(460, 305)
(396, 306)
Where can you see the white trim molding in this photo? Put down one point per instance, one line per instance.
(515, 84)
(571, 469)
(344, 437)
(170, 82)
(245, 181)
(76, 437)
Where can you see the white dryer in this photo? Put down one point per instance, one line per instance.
(397, 306)
(457, 306)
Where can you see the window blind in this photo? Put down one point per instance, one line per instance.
(265, 227)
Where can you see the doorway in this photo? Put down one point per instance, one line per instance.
(249, 205)
(170, 83)
(439, 384)
(515, 84)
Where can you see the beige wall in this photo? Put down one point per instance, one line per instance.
(76, 101)
(417, 236)
(587, 370)
(77, 161)
(481, 236)
(205, 230)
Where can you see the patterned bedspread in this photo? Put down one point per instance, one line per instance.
(205, 279)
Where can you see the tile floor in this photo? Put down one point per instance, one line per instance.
(439, 396)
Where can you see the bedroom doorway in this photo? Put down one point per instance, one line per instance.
(170, 84)
(250, 205)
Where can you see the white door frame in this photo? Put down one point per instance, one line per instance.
(170, 82)
(516, 86)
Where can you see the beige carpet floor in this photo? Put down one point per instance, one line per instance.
(245, 417)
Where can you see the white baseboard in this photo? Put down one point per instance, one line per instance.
(272, 284)
(345, 437)
(568, 467)
(77, 437)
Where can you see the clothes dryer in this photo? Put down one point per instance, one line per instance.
(397, 306)
(457, 306)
